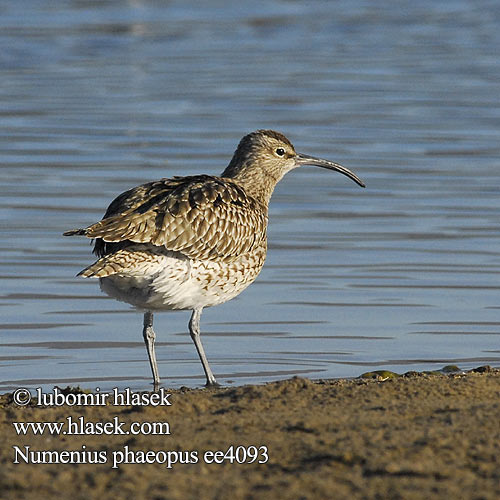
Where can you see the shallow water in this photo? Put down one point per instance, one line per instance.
(97, 97)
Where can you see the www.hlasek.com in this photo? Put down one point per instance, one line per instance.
(72, 426)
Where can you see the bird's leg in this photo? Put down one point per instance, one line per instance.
(194, 330)
(149, 338)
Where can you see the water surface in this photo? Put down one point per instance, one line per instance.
(97, 97)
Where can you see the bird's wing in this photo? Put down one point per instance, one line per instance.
(202, 217)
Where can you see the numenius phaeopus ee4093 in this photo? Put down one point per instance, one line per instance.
(196, 241)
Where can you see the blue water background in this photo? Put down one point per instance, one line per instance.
(96, 97)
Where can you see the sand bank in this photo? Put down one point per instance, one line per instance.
(417, 436)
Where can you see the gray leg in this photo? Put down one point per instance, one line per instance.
(149, 338)
(194, 330)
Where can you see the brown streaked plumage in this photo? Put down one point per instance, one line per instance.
(200, 216)
(196, 241)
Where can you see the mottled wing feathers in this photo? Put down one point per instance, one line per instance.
(136, 259)
(203, 217)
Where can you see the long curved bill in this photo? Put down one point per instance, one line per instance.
(301, 159)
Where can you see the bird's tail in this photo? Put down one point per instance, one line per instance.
(76, 232)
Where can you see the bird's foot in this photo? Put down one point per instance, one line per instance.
(211, 384)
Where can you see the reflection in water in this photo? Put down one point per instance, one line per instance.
(403, 275)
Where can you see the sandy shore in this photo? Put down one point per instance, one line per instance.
(413, 437)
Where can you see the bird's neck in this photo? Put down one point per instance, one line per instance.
(256, 183)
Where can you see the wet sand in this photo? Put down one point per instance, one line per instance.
(413, 437)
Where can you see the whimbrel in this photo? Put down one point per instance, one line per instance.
(196, 241)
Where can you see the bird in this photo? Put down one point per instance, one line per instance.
(190, 242)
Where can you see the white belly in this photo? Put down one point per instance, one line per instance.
(173, 281)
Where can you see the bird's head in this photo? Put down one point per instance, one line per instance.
(265, 156)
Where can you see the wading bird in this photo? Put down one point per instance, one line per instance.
(196, 241)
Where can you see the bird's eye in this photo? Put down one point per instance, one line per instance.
(280, 151)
